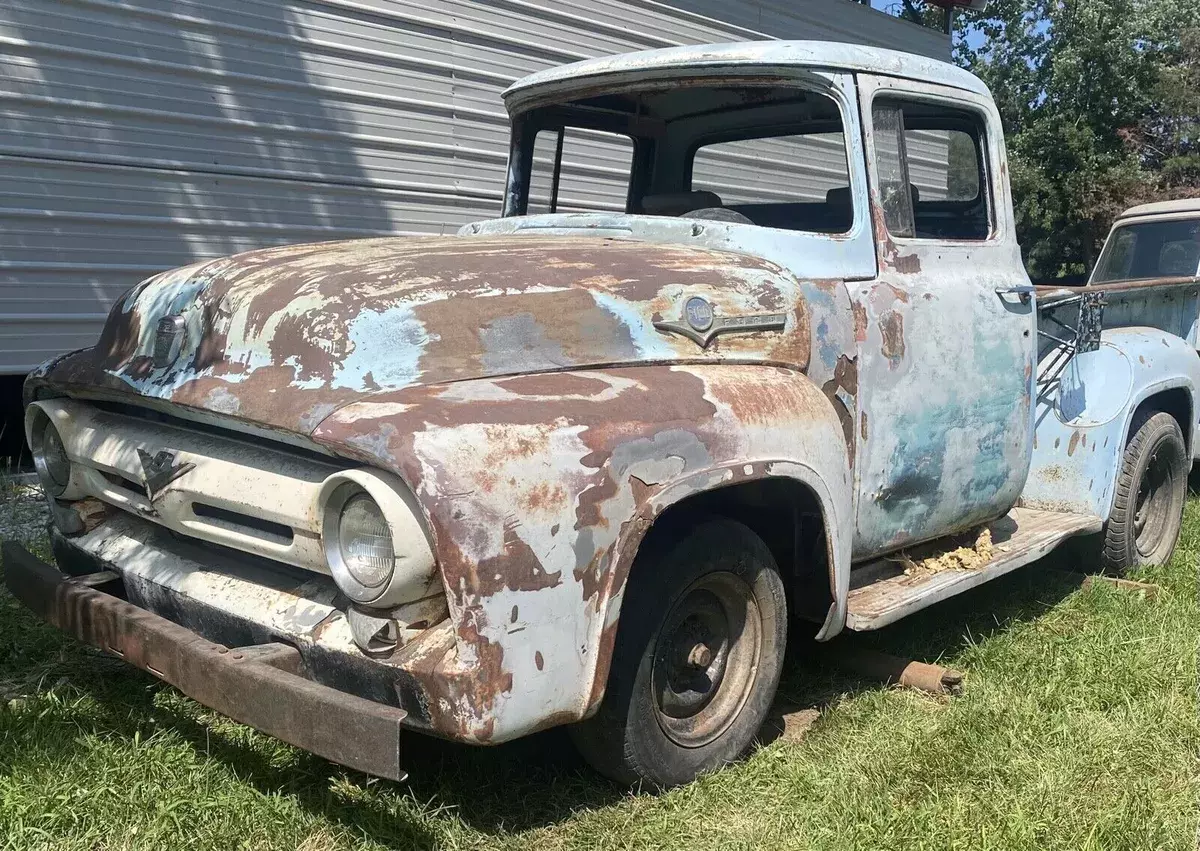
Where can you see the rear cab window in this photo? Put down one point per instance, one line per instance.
(578, 170)
(792, 181)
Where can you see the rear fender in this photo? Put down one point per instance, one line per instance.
(1085, 412)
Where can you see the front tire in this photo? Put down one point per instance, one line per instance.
(1151, 488)
(697, 657)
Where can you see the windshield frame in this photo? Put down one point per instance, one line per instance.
(645, 132)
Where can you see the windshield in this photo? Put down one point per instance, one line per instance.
(1150, 250)
(744, 151)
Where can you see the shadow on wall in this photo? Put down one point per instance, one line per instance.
(142, 136)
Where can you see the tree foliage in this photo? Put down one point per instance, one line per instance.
(1101, 107)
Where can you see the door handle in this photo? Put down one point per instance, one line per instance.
(1023, 291)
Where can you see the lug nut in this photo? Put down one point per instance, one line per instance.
(700, 656)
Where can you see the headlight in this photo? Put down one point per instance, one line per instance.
(50, 457)
(376, 546)
(365, 542)
(358, 544)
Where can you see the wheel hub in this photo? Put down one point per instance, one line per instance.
(1150, 516)
(706, 658)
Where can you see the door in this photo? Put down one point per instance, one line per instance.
(945, 335)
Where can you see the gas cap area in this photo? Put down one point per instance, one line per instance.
(1094, 387)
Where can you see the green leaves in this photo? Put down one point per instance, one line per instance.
(1101, 107)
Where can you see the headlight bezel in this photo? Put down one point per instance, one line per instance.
(41, 428)
(413, 575)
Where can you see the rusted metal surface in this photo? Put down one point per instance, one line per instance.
(260, 686)
(935, 679)
(520, 389)
(539, 489)
(881, 592)
(1147, 589)
(944, 369)
(282, 337)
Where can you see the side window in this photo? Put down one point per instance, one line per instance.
(579, 171)
(1118, 261)
(932, 171)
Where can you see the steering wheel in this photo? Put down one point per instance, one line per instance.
(718, 214)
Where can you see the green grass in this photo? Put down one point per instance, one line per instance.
(1077, 729)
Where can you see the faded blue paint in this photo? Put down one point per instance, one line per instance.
(1083, 415)
(1172, 307)
(386, 347)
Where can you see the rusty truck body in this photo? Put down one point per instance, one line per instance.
(588, 467)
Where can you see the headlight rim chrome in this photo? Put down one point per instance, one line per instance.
(414, 575)
(41, 426)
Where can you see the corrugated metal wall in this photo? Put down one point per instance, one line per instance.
(137, 135)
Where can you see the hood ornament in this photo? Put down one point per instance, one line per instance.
(159, 470)
(700, 324)
(169, 335)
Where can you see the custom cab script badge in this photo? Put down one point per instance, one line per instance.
(159, 470)
(700, 324)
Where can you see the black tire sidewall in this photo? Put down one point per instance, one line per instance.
(1148, 433)
(627, 725)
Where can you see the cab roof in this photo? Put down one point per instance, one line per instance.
(1162, 208)
(553, 83)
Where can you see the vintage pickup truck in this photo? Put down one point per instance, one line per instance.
(590, 466)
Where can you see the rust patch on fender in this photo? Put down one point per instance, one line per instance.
(553, 385)
(842, 392)
(796, 346)
(860, 321)
(891, 327)
(1075, 435)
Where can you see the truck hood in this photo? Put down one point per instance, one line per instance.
(284, 336)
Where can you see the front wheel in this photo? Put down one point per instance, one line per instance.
(1151, 489)
(697, 658)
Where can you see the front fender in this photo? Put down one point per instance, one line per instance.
(1084, 415)
(538, 490)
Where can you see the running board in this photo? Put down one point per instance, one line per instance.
(880, 592)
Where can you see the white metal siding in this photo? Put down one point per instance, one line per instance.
(138, 135)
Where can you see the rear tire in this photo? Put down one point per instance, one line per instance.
(1151, 488)
(697, 657)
